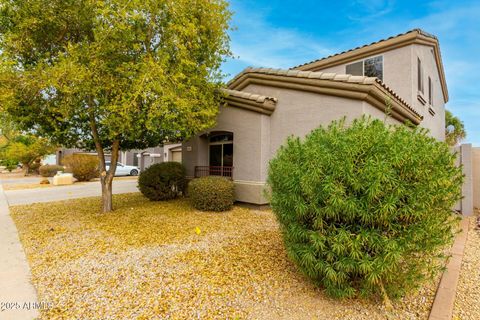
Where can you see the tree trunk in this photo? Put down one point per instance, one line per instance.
(26, 169)
(106, 178)
(107, 203)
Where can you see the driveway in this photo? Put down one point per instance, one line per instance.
(91, 189)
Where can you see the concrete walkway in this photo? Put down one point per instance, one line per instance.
(17, 294)
(58, 193)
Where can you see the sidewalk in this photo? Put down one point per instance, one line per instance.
(17, 294)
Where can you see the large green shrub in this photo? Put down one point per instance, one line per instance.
(365, 208)
(84, 167)
(163, 181)
(49, 170)
(211, 193)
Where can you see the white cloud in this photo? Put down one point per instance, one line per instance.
(365, 11)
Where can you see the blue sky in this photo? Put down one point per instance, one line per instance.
(282, 34)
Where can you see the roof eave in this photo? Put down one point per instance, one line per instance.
(372, 92)
(243, 100)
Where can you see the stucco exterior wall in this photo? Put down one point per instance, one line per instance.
(435, 123)
(396, 71)
(247, 128)
(145, 158)
(465, 157)
(368, 109)
(476, 176)
(299, 112)
(250, 138)
(400, 74)
(257, 137)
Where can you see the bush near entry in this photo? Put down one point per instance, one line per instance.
(211, 193)
(84, 167)
(163, 181)
(366, 208)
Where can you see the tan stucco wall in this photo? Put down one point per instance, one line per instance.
(247, 129)
(400, 74)
(435, 123)
(465, 157)
(396, 73)
(257, 137)
(376, 113)
(299, 112)
(476, 176)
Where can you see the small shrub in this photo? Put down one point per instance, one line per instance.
(9, 164)
(34, 167)
(49, 170)
(366, 208)
(211, 193)
(84, 167)
(163, 181)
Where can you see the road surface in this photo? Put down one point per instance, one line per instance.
(58, 193)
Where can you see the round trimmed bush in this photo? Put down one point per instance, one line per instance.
(49, 170)
(211, 193)
(366, 208)
(163, 181)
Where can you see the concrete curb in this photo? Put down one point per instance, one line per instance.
(18, 297)
(442, 308)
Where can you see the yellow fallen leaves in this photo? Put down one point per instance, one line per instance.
(146, 263)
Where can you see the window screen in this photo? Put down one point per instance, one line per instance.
(373, 67)
(355, 69)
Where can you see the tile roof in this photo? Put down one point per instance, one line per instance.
(249, 96)
(345, 78)
(417, 30)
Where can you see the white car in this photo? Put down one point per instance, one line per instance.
(123, 170)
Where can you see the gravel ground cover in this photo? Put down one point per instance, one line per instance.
(468, 288)
(165, 260)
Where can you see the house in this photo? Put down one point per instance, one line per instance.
(264, 106)
(139, 158)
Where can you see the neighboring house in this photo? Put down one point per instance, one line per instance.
(139, 158)
(265, 106)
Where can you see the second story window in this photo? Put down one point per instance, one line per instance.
(420, 75)
(371, 67)
(430, 91)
